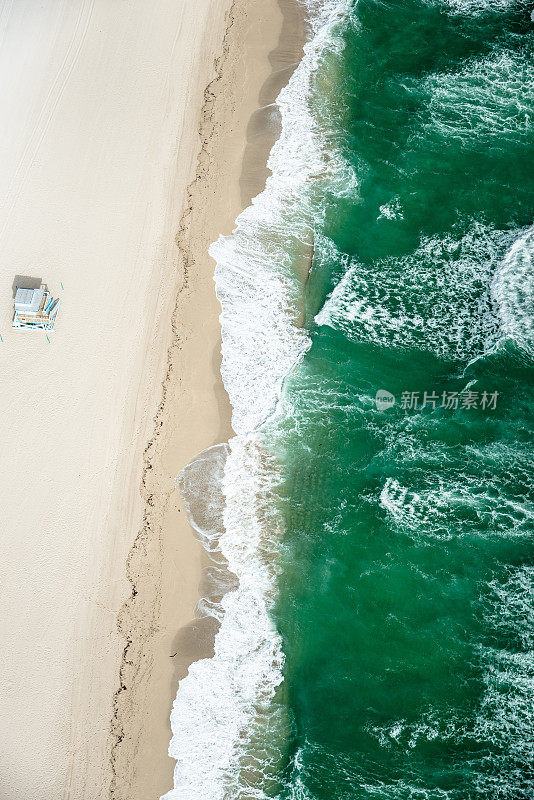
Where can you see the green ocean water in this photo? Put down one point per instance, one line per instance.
(406, 574)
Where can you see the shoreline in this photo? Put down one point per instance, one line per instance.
(163, 634)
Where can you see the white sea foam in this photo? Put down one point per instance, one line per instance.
(478, 7)
(448, 509)
(445, 305)
(226, 702)
(490, 98)
(513, 292)
(224, 698)
(506, 713)
(391, 210)
(451, 282)
(482, 490)
(459, 502)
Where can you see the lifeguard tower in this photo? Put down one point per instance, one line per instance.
(35, 308)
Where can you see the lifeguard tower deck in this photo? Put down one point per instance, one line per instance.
(35, 308)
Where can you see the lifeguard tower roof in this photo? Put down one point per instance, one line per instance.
(28, 301)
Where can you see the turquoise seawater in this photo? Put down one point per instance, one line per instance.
(405, 585)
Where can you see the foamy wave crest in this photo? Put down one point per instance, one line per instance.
(225, 700)
(449, 510)
(489, 99)
(509, 607)
(481, 491)
(446, 303)
(513, 292)
(477, 7)
(506, 713)
(432, 725)
(228, 727)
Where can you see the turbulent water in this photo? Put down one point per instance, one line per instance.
(377, 640)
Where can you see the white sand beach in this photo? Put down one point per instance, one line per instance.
(131, 139)
(99, 111)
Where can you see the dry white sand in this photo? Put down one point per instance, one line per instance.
(99, 114)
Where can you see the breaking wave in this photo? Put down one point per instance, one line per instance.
(489, 99)
(513, 292)
(446, 304)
